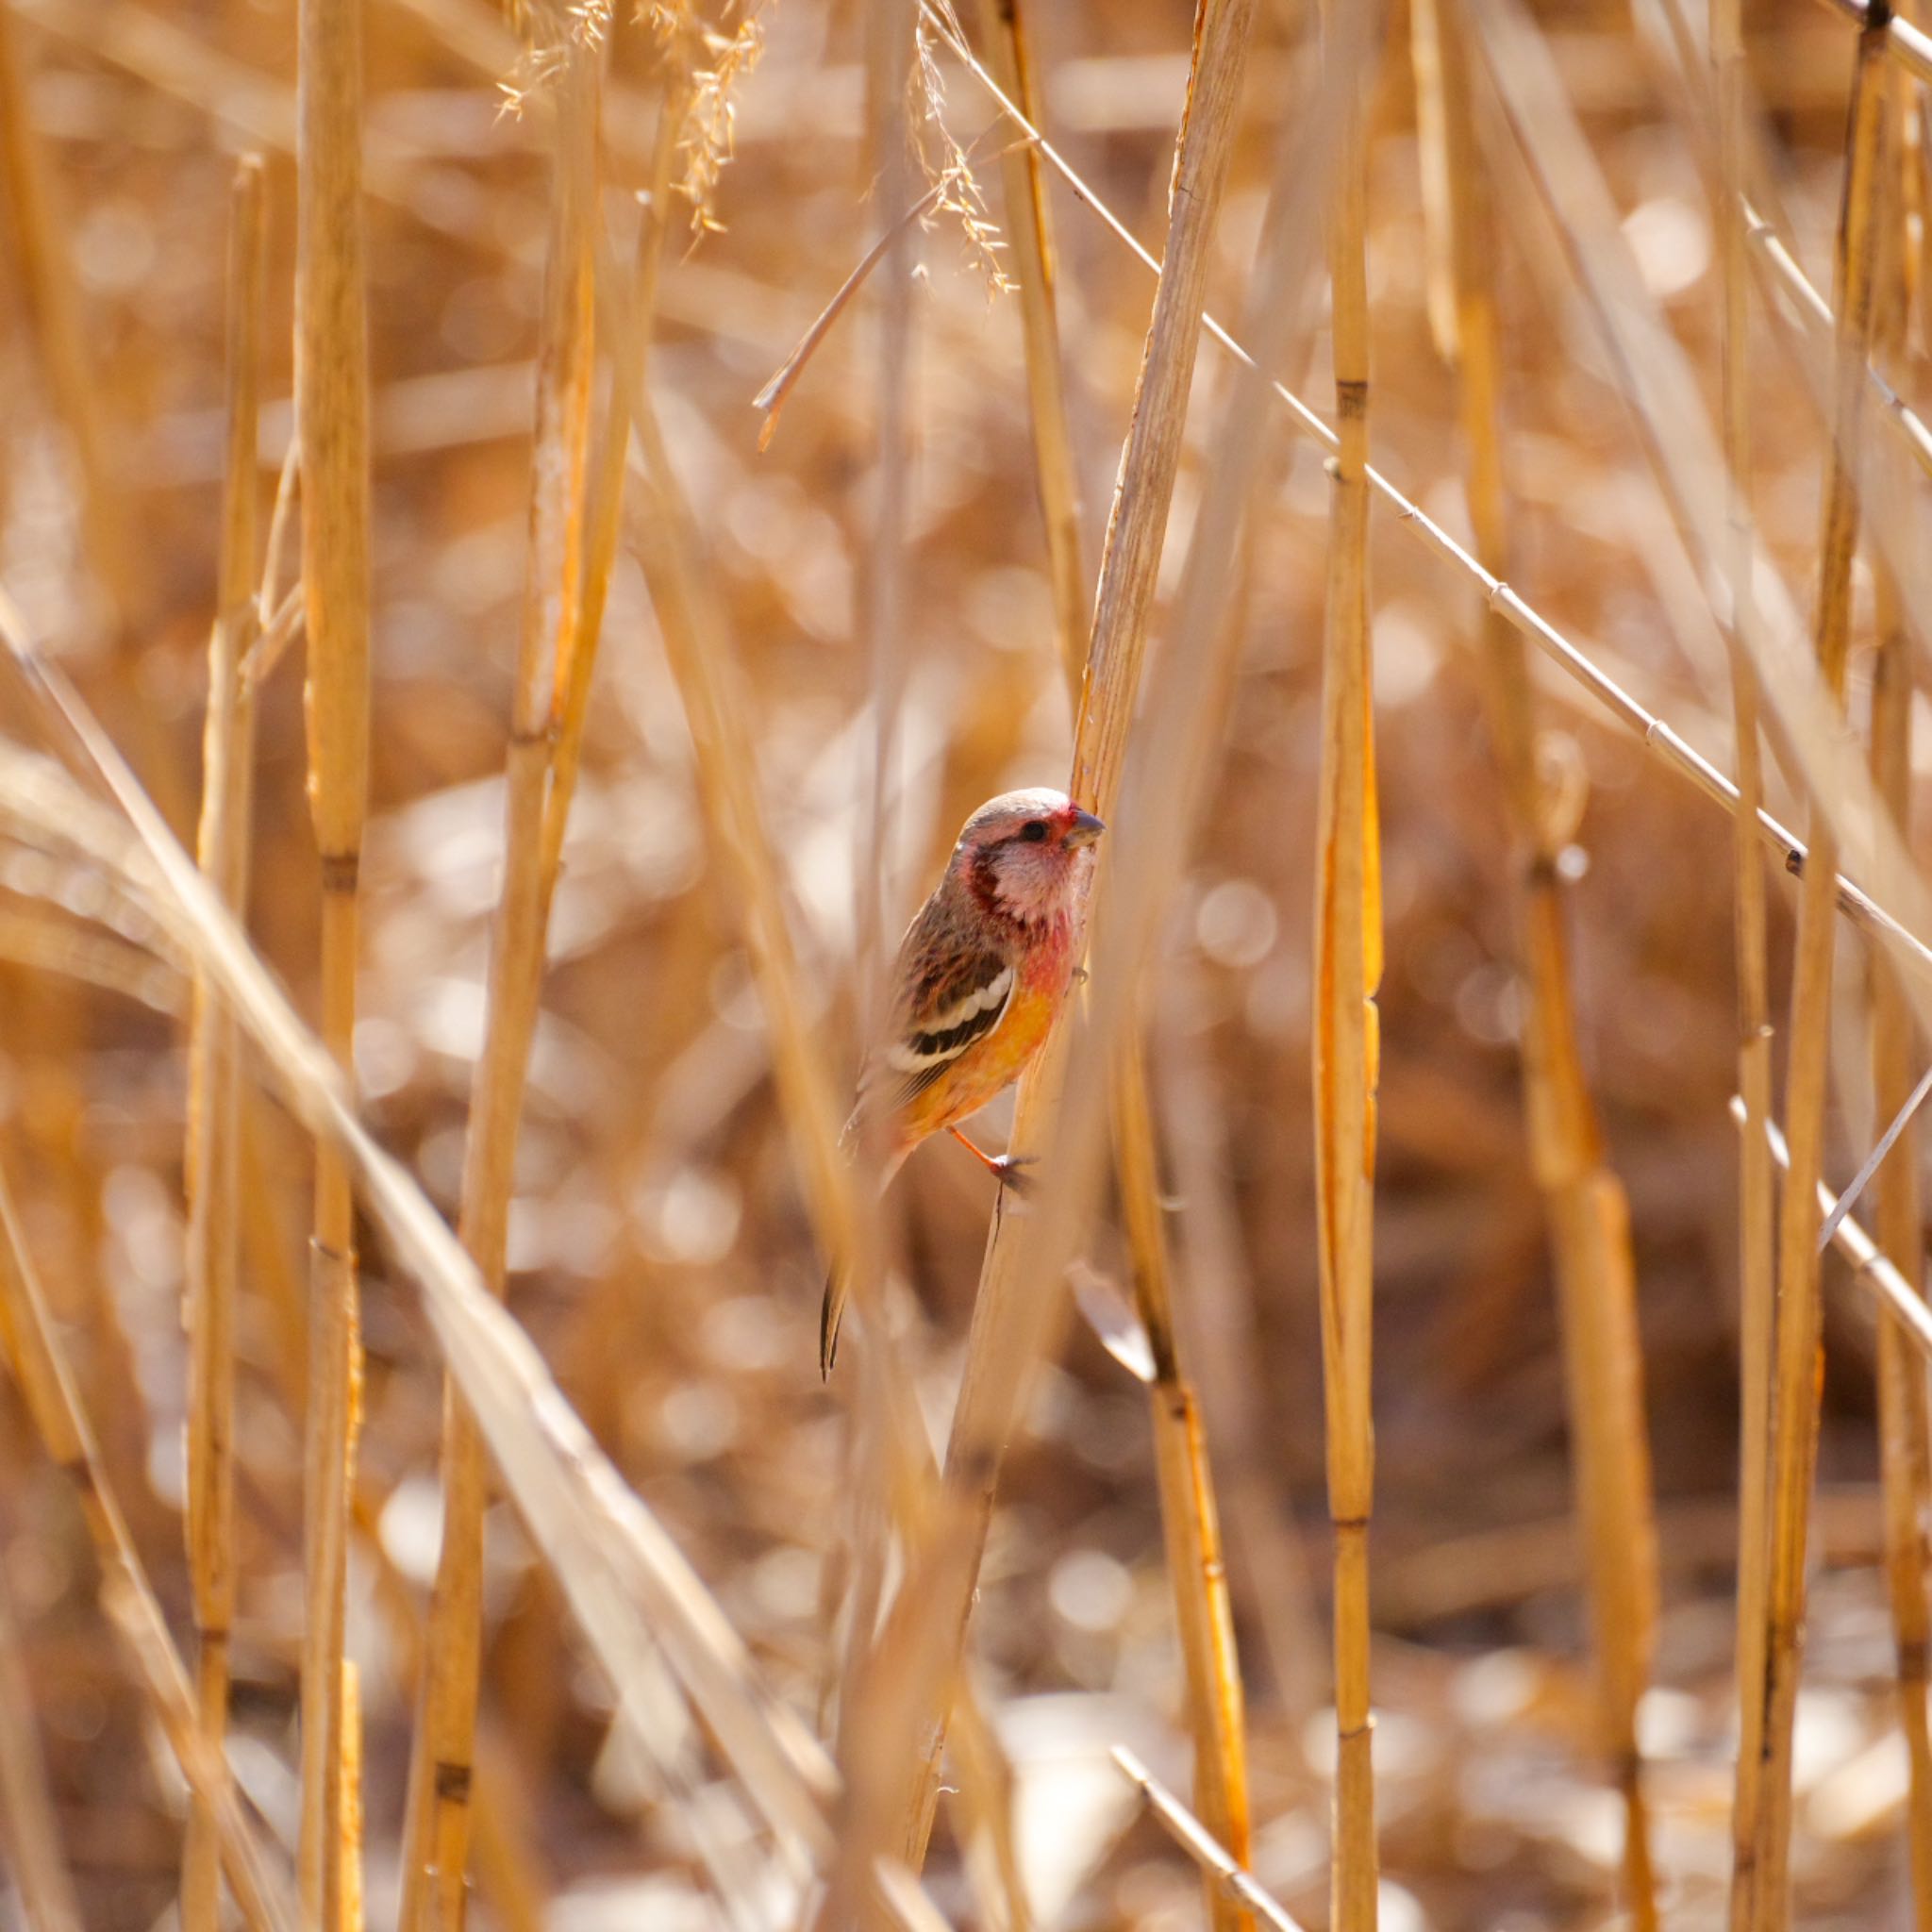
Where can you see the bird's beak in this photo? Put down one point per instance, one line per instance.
(1084, 831)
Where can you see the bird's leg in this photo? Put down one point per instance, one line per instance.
(1006, 1166)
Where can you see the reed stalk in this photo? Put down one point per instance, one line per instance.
(213, 1148)
(1757, 1184)
(1008, 1317)
(1191, 1521)
(38, 1358)
(1190, 1518)
(332, 406)
(1795, 1398)
(1010, 57)
(1345, 1043)
(1905, 1430)
(442, 1769)
(1584, 1202)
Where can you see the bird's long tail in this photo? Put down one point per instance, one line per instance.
(831, 1312)
(838, 1279)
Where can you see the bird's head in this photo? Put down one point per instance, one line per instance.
(1025, 854)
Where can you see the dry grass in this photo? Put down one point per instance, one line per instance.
(627, 735)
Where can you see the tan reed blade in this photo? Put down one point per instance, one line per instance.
(1007, 1330)
(332, 407)
(1905, 1430)
(1757, 1187)
(1217, 1865)
(215, 1072)
(435, 1854)
(1584, 1202)
(1190, 1518)
(1345, 1045)
(1794, 1435)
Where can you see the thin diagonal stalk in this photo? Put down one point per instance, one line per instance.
(1345, 1047)
(1190, 1518)
(1905, 1432)
(332, 405)
(1223, 1871)
(435, 1854)
(1756, 1185)
(214, 1071)
(1009, 1320)
(38, 1358)
(1584, 1202)
(1794, 1441)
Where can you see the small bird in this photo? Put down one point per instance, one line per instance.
(981, 976)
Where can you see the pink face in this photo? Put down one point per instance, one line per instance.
(1028, 852)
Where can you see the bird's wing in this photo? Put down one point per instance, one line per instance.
(948, 1012)
(953, 992)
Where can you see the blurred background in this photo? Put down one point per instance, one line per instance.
(659, 1253)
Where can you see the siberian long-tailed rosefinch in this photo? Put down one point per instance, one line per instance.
(981, 976)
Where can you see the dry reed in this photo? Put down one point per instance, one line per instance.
(1796, 1399)
(332, 407)
(441, 1772)
(1584, 1202)
(1905, 1432)
(1189, 1516)
(211, 1160)
(1009, 1324)
(1756, 1186)
(1346, 1044)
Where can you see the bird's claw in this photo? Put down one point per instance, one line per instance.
(1010, 1170)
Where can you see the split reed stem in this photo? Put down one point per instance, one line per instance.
(332, 407)
(214, 1092)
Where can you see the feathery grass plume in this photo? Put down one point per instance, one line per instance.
(1903, 1427)
(1009, 1320)
(704, 63)
(1795, 1418)
(38, 1358)
(948, 166)
(1756, 1186)
(212, 1156)
(436, 1856)
(332, 405)
(1345, 1050)
(1584, 1203)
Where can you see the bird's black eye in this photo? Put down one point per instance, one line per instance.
(1034, 830)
